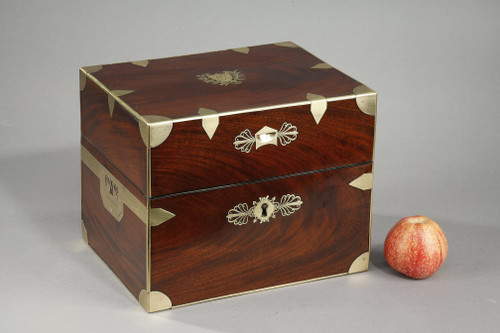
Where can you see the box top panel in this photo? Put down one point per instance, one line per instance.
(233, 80)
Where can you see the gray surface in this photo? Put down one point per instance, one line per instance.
(435, 67)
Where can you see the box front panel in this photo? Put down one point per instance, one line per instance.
(259, 145)
(263, 234)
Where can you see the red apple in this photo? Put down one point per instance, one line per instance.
(416, 246)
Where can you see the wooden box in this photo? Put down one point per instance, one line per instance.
(221, 173)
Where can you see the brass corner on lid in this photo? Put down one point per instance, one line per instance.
(322, 65)
(287, 44)
(363, 182)
(141, 63)
(114, 95)
(366, 99)
(210, 121)
(318, 106)
(87, 70)
(360, 264)
(154, 129)
(153, 301)
(244, 50)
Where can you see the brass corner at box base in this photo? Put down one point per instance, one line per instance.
(153, 301)
(85, 237)
(360, 264)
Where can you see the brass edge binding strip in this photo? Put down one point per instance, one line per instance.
(129, 199)
(373, 171)
(259, 290)
(148, 227)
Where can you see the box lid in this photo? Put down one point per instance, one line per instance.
(225, 81)
(209, 107)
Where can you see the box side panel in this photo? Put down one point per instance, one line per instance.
(114, 133)
(249, 237)
(237, 152)
(120, 176)
(122, 244)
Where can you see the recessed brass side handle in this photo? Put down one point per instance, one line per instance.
(265, 136)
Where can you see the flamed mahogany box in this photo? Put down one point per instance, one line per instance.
(221, 173)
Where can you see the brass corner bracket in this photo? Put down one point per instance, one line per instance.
(210, 121)
(114, 95)
(154, 130)
(87, 70)
(363, 182)
(153, 301)
(366, 99)
(141, 63)
(286, 44)
(244, 50)
(360, 264)
(318, 106)
(159, 215)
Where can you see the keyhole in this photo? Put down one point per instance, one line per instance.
(264, 210)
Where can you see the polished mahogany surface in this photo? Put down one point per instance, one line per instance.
(198, 254)
(190, 160)
(274, 75)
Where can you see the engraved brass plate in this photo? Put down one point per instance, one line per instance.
(265, 136)
(264, 209)
(223, 78)
(111, 194)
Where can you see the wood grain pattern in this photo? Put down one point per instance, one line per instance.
(189, 160)
(273, 75)
(121, 245)
(199, 255)
(118, 138)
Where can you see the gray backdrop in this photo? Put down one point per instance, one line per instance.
(435, 66)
